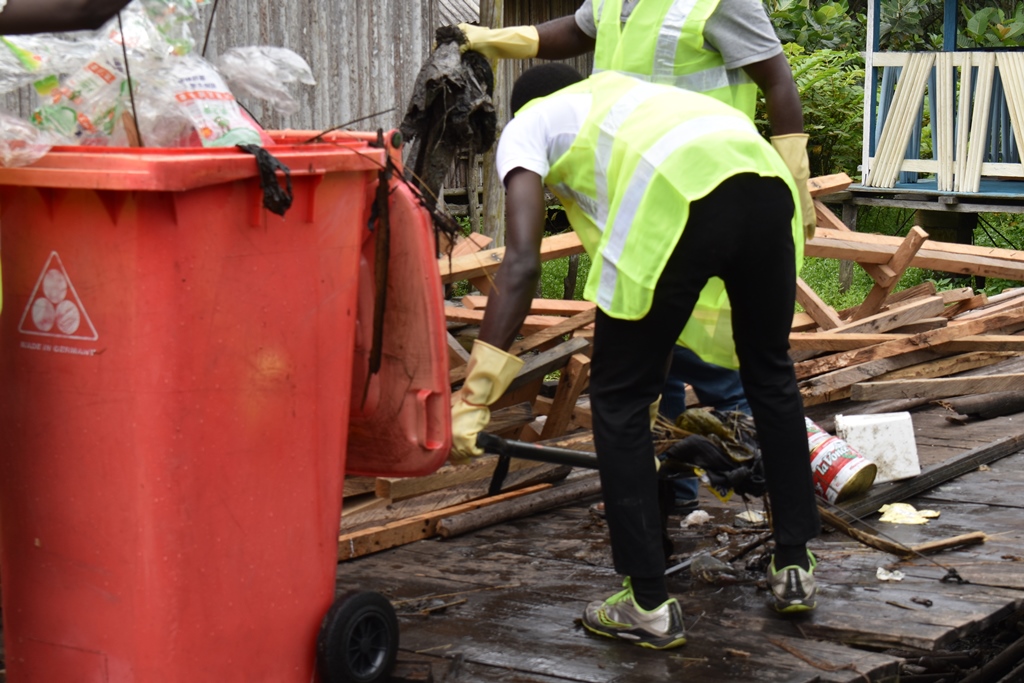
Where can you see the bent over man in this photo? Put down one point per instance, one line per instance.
(667, 189)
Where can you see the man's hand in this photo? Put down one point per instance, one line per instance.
(43, 16)
(490, 372)
(515, 42)
(793, 150)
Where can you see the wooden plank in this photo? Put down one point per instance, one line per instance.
(486, 262)
(867, 248)
(879, 272)
(824, 185)
(394, 534)
(936, 387)
(822, 313)
(470, 244)
(829, 386)
(1011, 73)
(914, 342)
(898, 316)
(922, 325)
(533, 341)
(977, 147)
(536, 367)
(477, 469)
(581, 415)
(571, 384)
(458, 356)
(457, 314)
(471, 520)
(355, 486)
(566, 307)
(899, 121)
(965, 305)
(898, 264)
(944, 124)
(816, 341)
(557, 330)
(933, 476)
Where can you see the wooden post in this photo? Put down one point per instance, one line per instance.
(492, 14)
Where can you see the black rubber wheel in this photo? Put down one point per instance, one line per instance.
(358, 640)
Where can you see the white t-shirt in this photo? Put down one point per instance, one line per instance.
(739, 30)
(537, 137)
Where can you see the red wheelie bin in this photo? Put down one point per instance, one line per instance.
(177, 372)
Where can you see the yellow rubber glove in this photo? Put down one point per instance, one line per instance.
(489, 374)
(793, 150)
(514, 42)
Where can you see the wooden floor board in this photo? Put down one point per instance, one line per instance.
(506, 599)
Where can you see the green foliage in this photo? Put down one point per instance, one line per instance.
(828, 24)
(831, 87)
(993, 26)
(553, 275)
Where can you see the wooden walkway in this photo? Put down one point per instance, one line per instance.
(503, 604)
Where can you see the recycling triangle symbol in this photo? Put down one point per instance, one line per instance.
(54, 309)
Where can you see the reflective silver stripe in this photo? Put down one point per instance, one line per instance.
(668, 39)
(609, 129)
(701, 81)
(587, 204)
(656, 154)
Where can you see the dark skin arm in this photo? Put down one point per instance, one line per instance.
(516, 281)
(775, 79)
(562, 38)
(44, 16)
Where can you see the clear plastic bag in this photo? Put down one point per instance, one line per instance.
(266, 73)
(21, 143)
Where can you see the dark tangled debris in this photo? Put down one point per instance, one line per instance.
(450, 109)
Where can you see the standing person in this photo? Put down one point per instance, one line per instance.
(666, 189)
(42, 16)
(724, 48)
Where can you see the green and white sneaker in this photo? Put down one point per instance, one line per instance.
(793, 588)
(620, 617)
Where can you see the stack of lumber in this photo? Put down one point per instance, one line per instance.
(894, 351)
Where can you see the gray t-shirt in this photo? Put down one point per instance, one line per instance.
(738, 29)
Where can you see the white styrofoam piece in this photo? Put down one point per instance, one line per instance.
(886, 439)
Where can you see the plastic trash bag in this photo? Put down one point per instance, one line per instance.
(200, 92)
(84, 107)
(21, 143)
(266, 73)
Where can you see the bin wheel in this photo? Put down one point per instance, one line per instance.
(358, 640)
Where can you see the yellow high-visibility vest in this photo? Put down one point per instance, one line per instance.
(662, 41)
(643, 154)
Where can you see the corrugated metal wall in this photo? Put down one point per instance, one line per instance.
(365, 54)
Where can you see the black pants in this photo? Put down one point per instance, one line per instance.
(741, 233)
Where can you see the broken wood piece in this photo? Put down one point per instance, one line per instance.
(824, 185)
(457, 353)
(581, 415)
(573, 381)
(523, 506)
(400, 532)
(986, 406)
(476, 469)
(964, 259)
(894, 317)
(536, 367)
(820, 312)
(935, 388)
(549, 333)
(555, 331)
(896, 347)
(894, 547)
(457, 314)
(485, 263)
(965, 305)
(566, 307)
(899, 262)
(922, 325)
(471, 244)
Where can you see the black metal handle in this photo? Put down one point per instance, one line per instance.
(528, 451)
